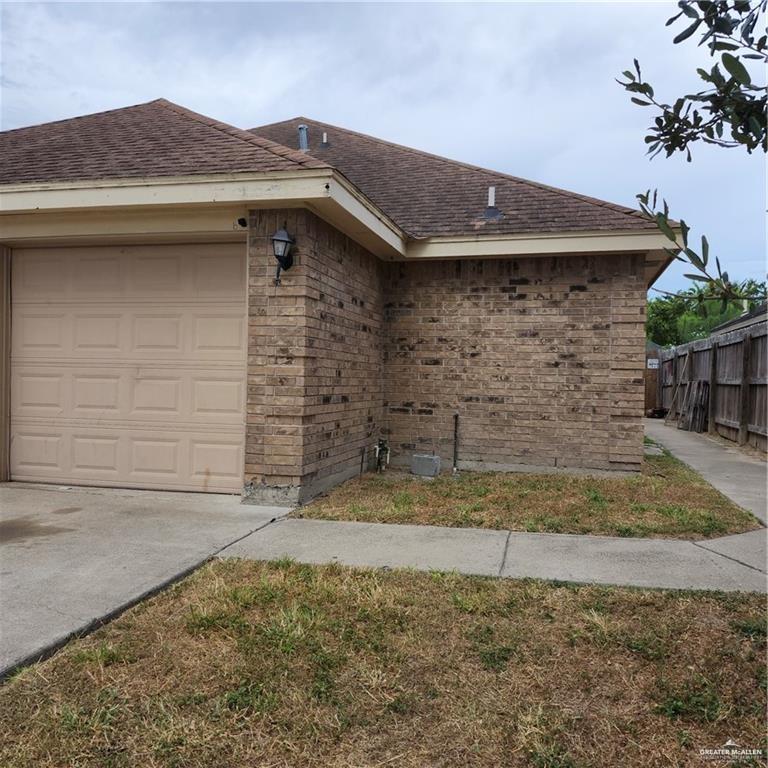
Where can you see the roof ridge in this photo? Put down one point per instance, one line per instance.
(81, 117)
(287, 153)
(558, 190)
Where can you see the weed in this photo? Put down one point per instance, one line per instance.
(289, 628)
(200, 621)
(596, 498)
(464, 603)
(322, 679)
(104, 654)
(250, 696)
(493, 657)
(696, 699)
(402, 704)
(247, 596)
(92, 719)
(753, 628)
(539, 732)
(649, 645)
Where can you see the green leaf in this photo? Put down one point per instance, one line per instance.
(704, 249)
(688, 10)
(698, 278)
(640, 102)
(628, 74)
(687, 32)
(694, 258)
(736, 69)
(685, 229)
(663, 225)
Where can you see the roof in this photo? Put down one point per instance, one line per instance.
(157, 138)
(758, 315)
(427, 195)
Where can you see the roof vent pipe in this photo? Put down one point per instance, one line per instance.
(325, 140)
(303, 138)
(491, 211)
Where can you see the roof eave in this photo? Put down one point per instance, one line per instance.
(323, 190)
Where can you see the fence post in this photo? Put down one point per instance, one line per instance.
(744, 412)
(712, 405)
(675, 383)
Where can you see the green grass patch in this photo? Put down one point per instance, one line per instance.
(666, 500)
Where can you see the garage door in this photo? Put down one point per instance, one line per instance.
(128, 366)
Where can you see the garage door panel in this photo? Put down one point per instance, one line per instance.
(140, 459)
(96, 333)
(38, 393)
(42, 274)
(156, 395)
(36, 453)
(95, 273)
(36, 333)
(219, 276)
(215, 462)
(94, 452)
(154, 333)
(218, 397)
(156, 457)
(139, 390)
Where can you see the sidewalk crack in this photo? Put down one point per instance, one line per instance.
(506, 549)
(274, 520)
(728, 557)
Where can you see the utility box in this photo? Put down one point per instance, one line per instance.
(425, 465)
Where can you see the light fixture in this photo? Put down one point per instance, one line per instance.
(282, 243)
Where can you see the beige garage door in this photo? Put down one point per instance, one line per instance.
(128, 366)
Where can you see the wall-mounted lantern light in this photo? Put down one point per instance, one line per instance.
(282, 243)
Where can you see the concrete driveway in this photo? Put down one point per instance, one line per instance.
(72, 557)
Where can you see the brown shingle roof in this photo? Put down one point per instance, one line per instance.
(428, 195)
(158, 138)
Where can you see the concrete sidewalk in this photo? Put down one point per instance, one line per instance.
(589, 559)
(730, 563)
(71, 558)
(736, 475)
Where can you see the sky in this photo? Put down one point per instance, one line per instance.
(524, 88)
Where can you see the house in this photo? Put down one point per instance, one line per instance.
(746, 320)
(151, 346)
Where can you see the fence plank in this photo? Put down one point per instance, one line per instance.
(711, 426)
(744, 409)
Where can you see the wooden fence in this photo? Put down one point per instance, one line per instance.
(719, 385)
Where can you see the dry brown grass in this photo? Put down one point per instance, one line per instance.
(279, 664)
(668, 499)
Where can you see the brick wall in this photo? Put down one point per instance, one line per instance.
(314, 359)
(541, 358)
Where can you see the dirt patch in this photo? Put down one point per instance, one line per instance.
(280, 664)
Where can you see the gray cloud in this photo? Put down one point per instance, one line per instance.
(526, 88)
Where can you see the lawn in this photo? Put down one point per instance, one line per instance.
(280, 664)
(667, 499)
